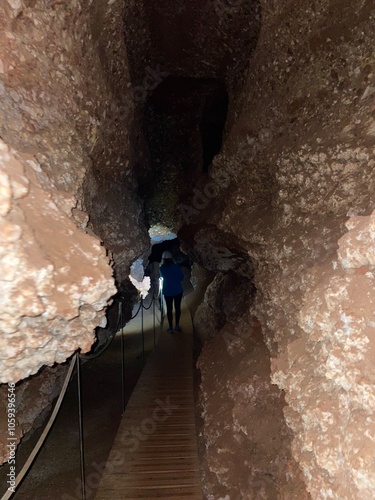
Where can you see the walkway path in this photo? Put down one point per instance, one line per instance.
(155, 451)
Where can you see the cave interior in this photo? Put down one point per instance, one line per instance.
(247, 130)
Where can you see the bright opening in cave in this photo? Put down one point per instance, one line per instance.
(159, 233)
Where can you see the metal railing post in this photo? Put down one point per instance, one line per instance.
(80, 428)
(153, 311)
(143, 335)
(122, 360)
(161, 308)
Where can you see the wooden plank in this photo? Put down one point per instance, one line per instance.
(121, 492)
(149, 480)
(160, 468)
(150, 495)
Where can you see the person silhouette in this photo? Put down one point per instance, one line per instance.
(172, 289)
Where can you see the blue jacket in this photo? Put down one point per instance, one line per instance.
(172, 276)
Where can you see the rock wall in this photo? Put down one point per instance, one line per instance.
(66, 180)
(67, 100)
(246, 441)
(67, 104)
(55, 279)
(328, 372)
(296, 172)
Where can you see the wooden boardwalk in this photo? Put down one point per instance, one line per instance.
(155, 452)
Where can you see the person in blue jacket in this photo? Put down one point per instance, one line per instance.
(172, 289)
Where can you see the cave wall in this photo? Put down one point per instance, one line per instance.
(68, 101)
(67, 117)
(293, 188)
(328, 373)
(55, 278)
(70, 217)
(246, 445)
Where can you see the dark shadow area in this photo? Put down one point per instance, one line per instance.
(173, 246)
(200, 38)
(187, 71)
(212, 125)
(183, 124)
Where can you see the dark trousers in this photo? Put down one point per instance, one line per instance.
(177, 306)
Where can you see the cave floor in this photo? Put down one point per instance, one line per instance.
(56, 470)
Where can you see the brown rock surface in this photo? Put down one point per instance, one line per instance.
(55, 279)
(296, 164)
(329, 371)
(246, 441)
(67, 99)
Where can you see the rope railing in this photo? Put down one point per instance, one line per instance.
(149, 306)
(109, 340)
(136, 314)
(45, 432)
(76, 362)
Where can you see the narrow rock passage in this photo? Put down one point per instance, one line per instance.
(155, 452)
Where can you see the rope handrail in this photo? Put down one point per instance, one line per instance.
(96, 354)
(136, 314)
(149, 306)
(47, 428)
(109, 340)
